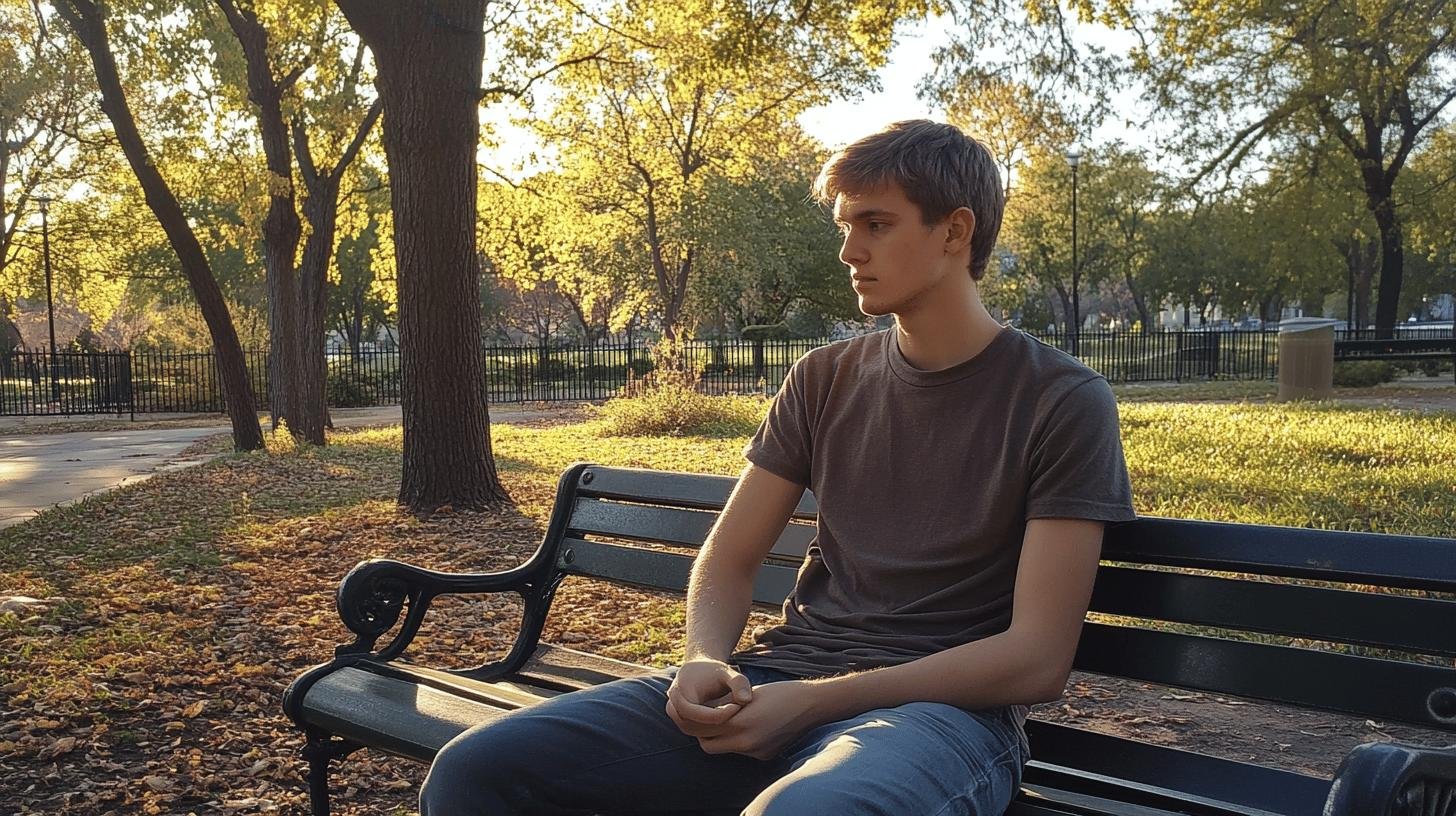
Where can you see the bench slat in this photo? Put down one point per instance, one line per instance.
(1395, 622)
(670, 525)
(1409, 562)
(665, 487)
(663, 570)
(394, 715)
(1058, 748)
(1306, 677)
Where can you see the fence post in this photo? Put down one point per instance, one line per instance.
(130, 391)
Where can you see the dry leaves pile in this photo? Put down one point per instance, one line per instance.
(179, 609)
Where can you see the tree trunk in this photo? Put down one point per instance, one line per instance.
(429, 57)
(1139, 303)
(321, 209)
(86, 20)
(1392, 264)
(291, 399)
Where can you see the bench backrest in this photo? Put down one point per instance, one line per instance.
(1370, 630)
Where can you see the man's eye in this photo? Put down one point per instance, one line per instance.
(876, 226)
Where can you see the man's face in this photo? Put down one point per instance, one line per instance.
(895, 261)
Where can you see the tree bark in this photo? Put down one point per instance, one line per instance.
(1138, 302)
(321, 210)
(1392, 265)
(87, 22)
(281, 234)
(429, 58)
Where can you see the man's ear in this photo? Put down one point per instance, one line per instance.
(962, 226)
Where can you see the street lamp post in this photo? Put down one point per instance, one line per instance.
(45, 242)
(1074, 158)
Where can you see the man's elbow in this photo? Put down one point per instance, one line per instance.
(1047, 688)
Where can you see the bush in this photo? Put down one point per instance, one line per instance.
(673, 409)
(641, 366)
(1363, 374)
(1432, 368)
(667, 402)
(349, 389)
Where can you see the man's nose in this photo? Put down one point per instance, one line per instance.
(851, 252)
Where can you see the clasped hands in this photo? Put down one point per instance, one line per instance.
(711, 701)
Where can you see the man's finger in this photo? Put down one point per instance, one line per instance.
(706, 715)
(741, 689)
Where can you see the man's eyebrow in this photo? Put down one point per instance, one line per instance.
(865, 215)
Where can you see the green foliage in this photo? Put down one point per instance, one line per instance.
(667, 401)
(674, 409)
(1363, 373)
(349, 388)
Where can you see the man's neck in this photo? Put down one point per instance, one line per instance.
(944, 331)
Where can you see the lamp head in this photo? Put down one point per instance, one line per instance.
(44, 202)
(1074, 155)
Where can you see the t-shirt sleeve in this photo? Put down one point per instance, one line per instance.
(783, 443)
(1077, 468)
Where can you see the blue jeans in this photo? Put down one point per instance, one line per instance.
(612, 749)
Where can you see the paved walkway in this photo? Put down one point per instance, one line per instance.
(39, 471)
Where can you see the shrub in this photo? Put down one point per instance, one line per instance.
(349, 389)
(1363, 374)
(641, 366)
(1432, 368)
(674, 409)
(667, 401)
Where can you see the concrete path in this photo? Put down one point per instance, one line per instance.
(39, 471)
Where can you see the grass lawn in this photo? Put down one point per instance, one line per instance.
(180, 607)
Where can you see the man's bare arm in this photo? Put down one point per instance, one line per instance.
(1027, 663)
(707, 691)
(720, 590)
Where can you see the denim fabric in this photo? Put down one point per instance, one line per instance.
(611, 749)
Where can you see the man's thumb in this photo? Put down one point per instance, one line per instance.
(741, 688)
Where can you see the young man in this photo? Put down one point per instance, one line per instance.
(963, 473)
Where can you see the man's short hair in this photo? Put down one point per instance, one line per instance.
(940, 169)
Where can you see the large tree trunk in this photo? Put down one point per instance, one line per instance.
(290, 399)
(1392, 263)
(429, 58)
(87, 22)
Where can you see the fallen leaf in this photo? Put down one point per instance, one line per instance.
(193, 710)
(64, 745)
(157, 783)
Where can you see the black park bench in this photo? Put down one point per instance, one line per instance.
(1434, 349)
(1390, 598)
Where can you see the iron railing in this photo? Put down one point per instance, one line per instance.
(150, 382)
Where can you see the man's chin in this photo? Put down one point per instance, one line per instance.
(870, 309)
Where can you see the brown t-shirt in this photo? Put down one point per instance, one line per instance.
(925, 482)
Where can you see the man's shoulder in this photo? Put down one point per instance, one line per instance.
(827, 358)
(1046, 373)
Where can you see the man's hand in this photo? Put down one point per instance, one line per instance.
(779, 714)
(704, 695)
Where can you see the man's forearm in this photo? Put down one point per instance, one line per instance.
(1000, 670)
(718, 603)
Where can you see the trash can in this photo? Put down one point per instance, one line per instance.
(1306, 358)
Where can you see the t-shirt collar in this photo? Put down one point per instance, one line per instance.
(917, 377)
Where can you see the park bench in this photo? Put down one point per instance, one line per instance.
(1184, 578)
(1435, 349)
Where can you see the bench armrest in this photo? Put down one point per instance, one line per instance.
(374, 594)
(1396, 780)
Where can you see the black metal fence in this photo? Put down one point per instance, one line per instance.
(168, 382)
